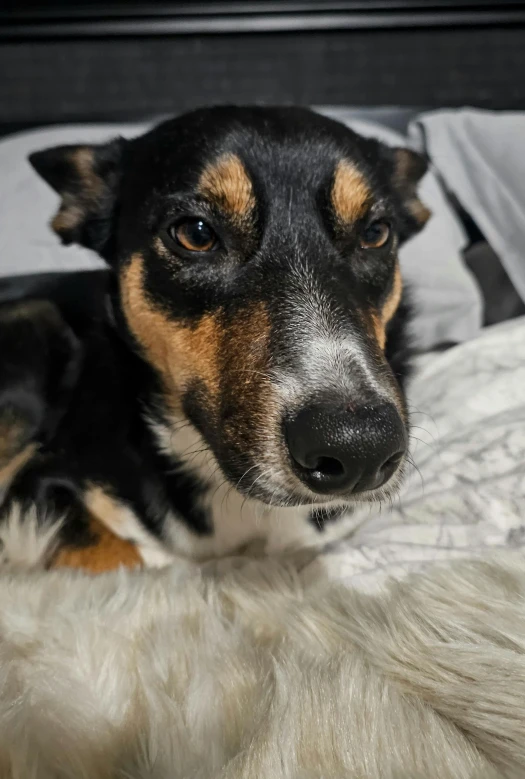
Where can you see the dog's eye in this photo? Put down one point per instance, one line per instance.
(194, 235)
(375, 235)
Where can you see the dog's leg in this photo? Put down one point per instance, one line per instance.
(39, 361)
(47, 516)
(86, 543)
(52, 528)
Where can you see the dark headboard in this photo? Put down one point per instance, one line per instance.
(66, 61)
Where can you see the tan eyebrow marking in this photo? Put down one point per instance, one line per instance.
(227, 183)
(350, 192)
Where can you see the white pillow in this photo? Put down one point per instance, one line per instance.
(448, 303)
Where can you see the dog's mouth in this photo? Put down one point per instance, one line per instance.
(282, 491)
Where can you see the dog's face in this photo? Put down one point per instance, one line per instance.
(256, 254)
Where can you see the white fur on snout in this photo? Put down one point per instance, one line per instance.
(343, 364)
(327, 358)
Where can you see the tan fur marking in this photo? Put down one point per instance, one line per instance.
(107, 553)
(404, 164)
(419, 210)
(15, 465)
(67, 218)
(227, 182)
(178, 351)
(104, 507)
(13, 435)
(391, 304)
(162, 250)
(245, 374)
(28, 308)
(120, 520)
(74, 208)
(230, 359)
(108, 550)
(350, 193)
(84, 161)
(404, 172)
(381, 320)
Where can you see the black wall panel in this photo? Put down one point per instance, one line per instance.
(124, 77)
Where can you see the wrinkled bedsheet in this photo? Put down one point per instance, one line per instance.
(465, 492)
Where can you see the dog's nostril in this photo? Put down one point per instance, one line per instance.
(329, 466)
(392, 462)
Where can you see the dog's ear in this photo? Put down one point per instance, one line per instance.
(407, 169)
(87, 178)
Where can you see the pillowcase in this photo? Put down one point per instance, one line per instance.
(447, 301)
(480, 156)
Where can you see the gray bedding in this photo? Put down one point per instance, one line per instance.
(480, 158)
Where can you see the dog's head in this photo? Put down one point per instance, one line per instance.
(256, 257)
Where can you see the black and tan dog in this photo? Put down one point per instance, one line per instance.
(242, 376)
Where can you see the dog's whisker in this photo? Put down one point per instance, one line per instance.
(413, 465)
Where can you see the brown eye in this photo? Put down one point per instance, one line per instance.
(376, 235)
(194, 235)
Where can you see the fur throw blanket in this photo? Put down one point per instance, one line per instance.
(250, 671)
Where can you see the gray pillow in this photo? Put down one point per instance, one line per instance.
(448, 303)
(480, 156)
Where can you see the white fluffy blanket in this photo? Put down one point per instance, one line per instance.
(250, 673)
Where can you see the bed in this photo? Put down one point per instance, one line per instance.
(463, 498)
(465, 270)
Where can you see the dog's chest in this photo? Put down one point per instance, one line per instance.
(237, 525)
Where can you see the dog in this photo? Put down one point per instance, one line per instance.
(241, 378)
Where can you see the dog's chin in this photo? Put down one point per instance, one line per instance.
(299, 495)
(278, 497)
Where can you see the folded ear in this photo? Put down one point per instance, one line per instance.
(408, 168)
(87, 178)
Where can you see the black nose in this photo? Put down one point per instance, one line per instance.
(336, 450)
